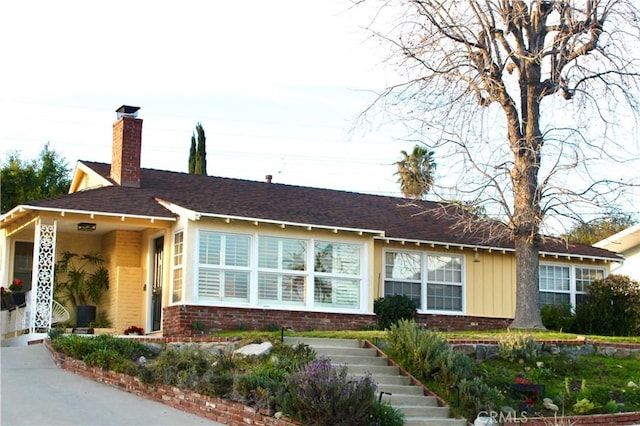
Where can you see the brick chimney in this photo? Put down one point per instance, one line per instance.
(127, 143)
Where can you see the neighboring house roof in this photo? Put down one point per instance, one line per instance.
(621, 241)
(386, 217)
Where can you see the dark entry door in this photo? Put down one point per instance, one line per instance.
(156, 288)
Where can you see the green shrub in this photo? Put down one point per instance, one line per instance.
(320, 395)
(383, 414)
(261, 387)
(79, 347)
(178, 367)
(516, 347)
(611, 307)
(476, 395)
(415, 348)
(557, 317)
(391, 309)
(454, 366)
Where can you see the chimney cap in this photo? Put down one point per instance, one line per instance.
(127, 110)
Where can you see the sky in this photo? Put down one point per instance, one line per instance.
(276, 85)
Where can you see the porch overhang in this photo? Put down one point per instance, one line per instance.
(23, 216)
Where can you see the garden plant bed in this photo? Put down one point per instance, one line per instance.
(599, 373)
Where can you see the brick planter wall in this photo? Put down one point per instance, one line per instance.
(179, 320)
(219, 410)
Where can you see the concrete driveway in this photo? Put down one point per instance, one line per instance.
(33, 391)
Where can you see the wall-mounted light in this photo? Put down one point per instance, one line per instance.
(86, 226)
(476, 256)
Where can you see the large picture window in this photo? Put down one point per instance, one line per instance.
(264, 270)
(434, 282)
(223, 272)
(566, 284)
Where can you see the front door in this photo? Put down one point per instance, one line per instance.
(156, 286)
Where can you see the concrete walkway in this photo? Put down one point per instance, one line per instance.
(33, 391)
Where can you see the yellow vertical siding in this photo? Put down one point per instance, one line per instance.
(124, 304)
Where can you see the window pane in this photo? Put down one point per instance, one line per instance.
(337, 258)
(444, 297)
(236, 285)
(402, 266)
(223, 285)
(209, 284)
(177, 285)
(554, 278)
(585, 276)
(409, 289)
(236, 252)
(282, 253)
(281, 288)
(558, 299)
(444, 269)
(23, 263)
(341, 293)
(210, 248)
(178, 239)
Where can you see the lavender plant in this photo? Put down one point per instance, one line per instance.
(320, 394)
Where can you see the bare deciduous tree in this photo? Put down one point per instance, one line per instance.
(512, 89)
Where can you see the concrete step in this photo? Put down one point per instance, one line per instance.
(434, 422)
(322, 342)
(343, 351)
(419, 409)
(400, 389)
(375, 370)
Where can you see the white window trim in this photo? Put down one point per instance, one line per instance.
(424, 278)
(181, 266)
(572, 279)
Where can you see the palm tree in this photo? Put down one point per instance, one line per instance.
(415, 172)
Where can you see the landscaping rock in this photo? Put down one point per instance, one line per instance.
(622, 353)
(587, 350)
(255, 349)
(155, 348)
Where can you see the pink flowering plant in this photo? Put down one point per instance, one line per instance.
(14, 287)
(134, 330)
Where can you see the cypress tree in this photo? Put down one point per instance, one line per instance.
(201, 152)
(192, 155)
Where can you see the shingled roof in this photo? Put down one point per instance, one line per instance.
(390, 217)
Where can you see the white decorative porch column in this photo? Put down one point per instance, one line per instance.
(44, 259)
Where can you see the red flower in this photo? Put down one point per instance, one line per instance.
(16, 285)
(529, 401)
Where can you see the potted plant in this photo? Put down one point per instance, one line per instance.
(82, 280)
(13, 296)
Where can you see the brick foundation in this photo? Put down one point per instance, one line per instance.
(179, 320)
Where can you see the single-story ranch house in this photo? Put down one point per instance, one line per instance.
(189, 252)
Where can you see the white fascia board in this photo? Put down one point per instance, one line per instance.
(497, 249)
(282, 223)
(98, 213)
(81, 169)
(179, 210)
(617, 241)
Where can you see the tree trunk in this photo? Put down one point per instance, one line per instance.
(527, 215)
(527, 314)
